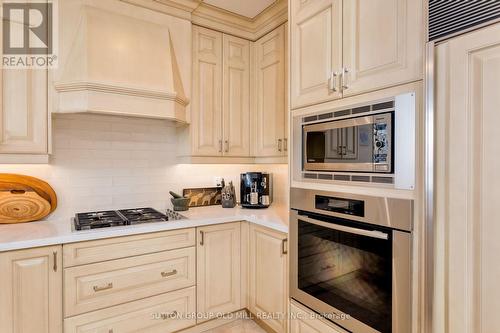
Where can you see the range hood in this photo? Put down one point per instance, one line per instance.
(120, 65)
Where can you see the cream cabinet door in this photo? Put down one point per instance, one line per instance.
(23, 115)
(31, 292)
(236, 95)
(206, 108)
(316, 51)
(218, 270)
(269, 94)
(305, 321)
(268, 294)
(382, 44)
(467, 183)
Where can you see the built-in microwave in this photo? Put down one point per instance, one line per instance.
(370, 142)
(359, 144)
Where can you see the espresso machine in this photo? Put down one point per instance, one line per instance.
(256, 190)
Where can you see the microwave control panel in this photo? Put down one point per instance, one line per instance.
(381, 143)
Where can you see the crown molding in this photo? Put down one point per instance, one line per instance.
(221, 20)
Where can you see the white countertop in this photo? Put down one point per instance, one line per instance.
(53, 232)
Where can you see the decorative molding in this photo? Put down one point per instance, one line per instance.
(120, 90)
(218, 19)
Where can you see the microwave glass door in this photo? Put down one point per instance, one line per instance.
(349, 271)
(348, 145)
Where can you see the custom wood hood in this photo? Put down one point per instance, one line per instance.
(119, 61)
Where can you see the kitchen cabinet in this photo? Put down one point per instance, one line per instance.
(218, 270)
(467, 185)
(269, 95)
(24, 112)
(268, 287)
(364, 46)
(31, 292)
(305, 321)
(316, 51)
(221, 79)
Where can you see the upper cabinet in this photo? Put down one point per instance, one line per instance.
(345, 48)
(206, 108)
(23, 112)
(24, 117)
(239, 96)
(316, 50)
(269, 95)
(221, 78)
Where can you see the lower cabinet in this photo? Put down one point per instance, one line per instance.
(159, 314)
(303, 320)
(218, 270)
(268, 287)
(31, 291)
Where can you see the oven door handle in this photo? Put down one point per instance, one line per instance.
(356, 231)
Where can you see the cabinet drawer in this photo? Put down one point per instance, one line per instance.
(123, 247)
(162, 314)
(97, 286)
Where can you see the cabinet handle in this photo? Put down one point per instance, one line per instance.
(202, 238)
(285, 144)
(280, 145)
(54, 257)
(165, 274)
(283, 246)
(345, 73)
(227, 146)
(106, 287)
(332, 81)
(220, 146)
(110, 330)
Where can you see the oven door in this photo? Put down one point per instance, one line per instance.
(356, 275)
(362, 144)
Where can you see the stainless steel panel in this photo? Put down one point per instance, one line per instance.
(388, 212)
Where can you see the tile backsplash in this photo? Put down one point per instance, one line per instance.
(104, 162)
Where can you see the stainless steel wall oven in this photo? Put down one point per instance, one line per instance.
(351, 259)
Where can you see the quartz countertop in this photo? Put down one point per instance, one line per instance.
(54, 232)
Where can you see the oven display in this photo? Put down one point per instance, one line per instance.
(340, 205)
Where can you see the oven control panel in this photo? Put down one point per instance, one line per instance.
(381, 143)
(340, 205)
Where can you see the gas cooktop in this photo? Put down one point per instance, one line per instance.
(113, 218)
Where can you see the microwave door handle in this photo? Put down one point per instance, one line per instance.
(356, 231)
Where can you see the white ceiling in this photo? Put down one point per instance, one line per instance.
(248, 8)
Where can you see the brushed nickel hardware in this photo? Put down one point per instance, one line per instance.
(280, 145)
(165, 274)
(54, 255)
(202, 238)
(345, 73)
(332, 80)
(284, 249)
(110, 330)
(285, 144)
(220, 146)
(106, 287)
(227, 146)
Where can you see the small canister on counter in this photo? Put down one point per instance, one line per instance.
(228, 196)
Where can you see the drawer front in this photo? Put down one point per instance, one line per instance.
(158, 314)
(123, 247)
(97, 286)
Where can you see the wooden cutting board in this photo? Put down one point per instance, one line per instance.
(25, 198)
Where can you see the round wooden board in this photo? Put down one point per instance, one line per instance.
(25, 198)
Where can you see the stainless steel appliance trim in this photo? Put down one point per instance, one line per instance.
(366, 167)
(366, 120)
(402, 280)
(429, 189)
(388, 212)
(356, 231)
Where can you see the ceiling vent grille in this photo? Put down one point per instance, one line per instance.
(449, 18)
